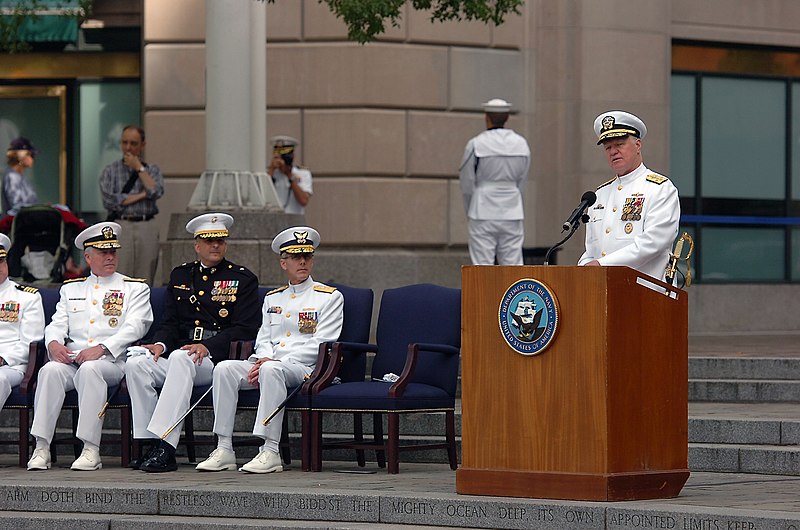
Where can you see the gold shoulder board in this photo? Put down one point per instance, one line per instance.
(279, 289)
(606, 183)
(657, 179)
(324, 289)
(73, 280)
(140, 280)
(28, 289)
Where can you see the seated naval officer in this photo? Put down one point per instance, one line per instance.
(21, 322)
(96, 319)
(210, 302)
(635, 217)
(297, 318)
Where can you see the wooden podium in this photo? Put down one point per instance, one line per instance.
(601, 413)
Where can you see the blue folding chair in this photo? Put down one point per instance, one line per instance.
(419, 338)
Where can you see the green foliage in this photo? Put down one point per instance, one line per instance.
(16, 13)
(366, 19)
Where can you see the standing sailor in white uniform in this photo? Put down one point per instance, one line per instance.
(493, 174)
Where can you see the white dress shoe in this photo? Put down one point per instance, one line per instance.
(88, 461)
(264, 462)
(39, 460)
(219, 460)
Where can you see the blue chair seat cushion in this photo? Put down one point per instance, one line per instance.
(19, 400)
(374, 396)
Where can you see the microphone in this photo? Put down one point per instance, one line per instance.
(587, 199)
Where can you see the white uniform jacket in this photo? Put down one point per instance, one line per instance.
(296, 319)
(113, 311)
(633, 222)
(21, 322)
(493, 174)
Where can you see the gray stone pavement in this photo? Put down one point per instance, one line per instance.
(422, 494)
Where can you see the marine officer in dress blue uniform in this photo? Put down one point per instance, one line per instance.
(635, 218)
(296, 319)
(96, 319)
(21, 322)
(210, 303)
(493, 174)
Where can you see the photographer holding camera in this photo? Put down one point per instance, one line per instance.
(292, 183)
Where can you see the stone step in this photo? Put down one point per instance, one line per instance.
(775, 368)
(744, 458)
(744, 431)
(744, 390)
(422, 495)
(72, 521)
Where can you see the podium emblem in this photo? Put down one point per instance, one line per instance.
(528, 316)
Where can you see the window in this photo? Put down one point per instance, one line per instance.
(735, 158)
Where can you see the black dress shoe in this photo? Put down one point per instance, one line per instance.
(145, 453)
(162, 460)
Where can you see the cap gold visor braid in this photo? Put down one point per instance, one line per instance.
(211, 234)
(102, 243)
(615, 133)
(294, 248)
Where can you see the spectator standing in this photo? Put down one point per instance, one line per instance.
(130, 188)
(292, 183)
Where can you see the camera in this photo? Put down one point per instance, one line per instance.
(288, 159)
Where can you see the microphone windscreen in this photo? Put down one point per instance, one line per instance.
(589, 197)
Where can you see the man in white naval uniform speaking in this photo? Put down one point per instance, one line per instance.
(635, 217)
(493, 174)
(21, 322)
(96, 319)
(297, 318)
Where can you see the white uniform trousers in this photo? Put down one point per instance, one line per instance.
(274, 377)
(176, 375)
(499, 238)
(91, 380)
(9, 378)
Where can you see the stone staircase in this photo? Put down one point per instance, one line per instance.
(744, 414)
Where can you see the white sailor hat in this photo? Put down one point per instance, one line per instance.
(283, 144)
(5, 246)
(210, 225)
(496, 105)
(617, 123)
(296, 240)
(101, 235)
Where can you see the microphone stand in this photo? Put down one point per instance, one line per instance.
(575, 225)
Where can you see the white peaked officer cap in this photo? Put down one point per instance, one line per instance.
(210, 226)
(496, 105)
(5, 246)
(618, 123)
(296, 240)
(101, 235)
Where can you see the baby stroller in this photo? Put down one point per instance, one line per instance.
(41, 236)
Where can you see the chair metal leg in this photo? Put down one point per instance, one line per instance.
(393, 443)
(450, 434)
(377, 435)
(305, 440)
(125, 435)
(188, 438)
(77, 445)
(358, 436)
(284, 446)
(316, 441)
(23, 437)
